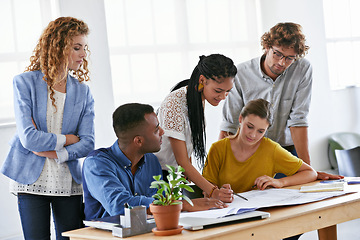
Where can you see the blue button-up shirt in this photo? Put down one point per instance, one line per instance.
(109, 184)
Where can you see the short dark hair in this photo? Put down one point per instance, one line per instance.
(129, 116)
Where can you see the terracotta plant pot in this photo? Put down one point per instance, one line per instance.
(166, 217)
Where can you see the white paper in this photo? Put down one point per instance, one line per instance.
(264, 198)
(324, 187)
(279, 197)
(216, 213)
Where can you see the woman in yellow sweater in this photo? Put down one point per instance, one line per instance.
(248, 158)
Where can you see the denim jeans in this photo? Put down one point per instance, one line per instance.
(35, 215)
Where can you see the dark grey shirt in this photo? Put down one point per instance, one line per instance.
(289, 95)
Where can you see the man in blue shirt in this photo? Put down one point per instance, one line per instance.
(123, 172)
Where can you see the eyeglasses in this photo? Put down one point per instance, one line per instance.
(278, 56)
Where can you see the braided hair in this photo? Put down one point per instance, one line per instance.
(215, 67)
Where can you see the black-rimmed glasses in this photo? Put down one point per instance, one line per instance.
(278, 56)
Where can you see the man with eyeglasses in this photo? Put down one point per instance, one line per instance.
(283, 77)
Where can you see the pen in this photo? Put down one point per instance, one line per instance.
(241, 196)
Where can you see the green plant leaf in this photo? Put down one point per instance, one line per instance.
(174, 182)
(187, 199)
(181, 169)
(171, 168)
(176, 196)
(157, 202)
(160, 182)
(187, 187)
(176, 203)
(158, 196)
(157, 177)
(160, 191)
(182, 179)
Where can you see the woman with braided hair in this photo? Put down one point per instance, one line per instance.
(181, 115)
(54, 113)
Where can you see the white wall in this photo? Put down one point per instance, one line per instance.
(331, 111)
(101, 85)
(10, 225)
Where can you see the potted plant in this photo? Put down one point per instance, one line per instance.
(167, 206)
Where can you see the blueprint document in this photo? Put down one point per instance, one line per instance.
(266, 198)
(279, 197)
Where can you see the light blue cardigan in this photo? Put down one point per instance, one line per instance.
(30, 102)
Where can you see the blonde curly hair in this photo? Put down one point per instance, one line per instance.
(287, 35)
(53, 48)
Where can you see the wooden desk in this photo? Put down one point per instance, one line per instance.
(283, 222)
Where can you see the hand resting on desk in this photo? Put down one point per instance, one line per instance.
(326, 176)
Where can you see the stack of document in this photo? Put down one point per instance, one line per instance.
(324, 187)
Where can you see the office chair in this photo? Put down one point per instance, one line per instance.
(348, 161)
(341, 140)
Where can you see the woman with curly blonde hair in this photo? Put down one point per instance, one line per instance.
(54, 112)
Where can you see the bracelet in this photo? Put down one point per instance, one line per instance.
(212, 191)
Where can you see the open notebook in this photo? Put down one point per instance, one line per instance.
(197, 223)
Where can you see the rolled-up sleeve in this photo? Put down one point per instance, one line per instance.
(61, 140)
(302, 99)
(232, 108)
(62, 156)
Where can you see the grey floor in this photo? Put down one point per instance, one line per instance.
(345, 231)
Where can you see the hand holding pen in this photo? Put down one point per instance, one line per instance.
(227, 186)
(225, 193)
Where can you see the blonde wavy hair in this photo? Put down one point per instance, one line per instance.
(53, 48)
